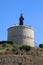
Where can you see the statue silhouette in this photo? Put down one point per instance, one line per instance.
(21, 20)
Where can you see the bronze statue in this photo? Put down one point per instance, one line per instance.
(21, 20)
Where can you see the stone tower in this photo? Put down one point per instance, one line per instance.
(21, 34)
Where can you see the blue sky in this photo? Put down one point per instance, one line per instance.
(33, 15)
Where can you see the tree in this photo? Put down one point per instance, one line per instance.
(41, 45)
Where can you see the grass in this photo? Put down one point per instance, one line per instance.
(13, 47)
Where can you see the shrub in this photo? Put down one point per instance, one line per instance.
(9, 42)
(14, 45)
(8, 49)
(4, 45)
(15, 48)
(25, 47)
(41, 45)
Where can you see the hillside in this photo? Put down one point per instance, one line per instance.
(11, 54)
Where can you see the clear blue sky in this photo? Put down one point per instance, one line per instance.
(32, 11)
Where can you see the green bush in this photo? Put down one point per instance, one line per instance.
(4, 45)
(25, 47)
(8, 42)
(41, 45)
(14, 45)
(8, 49)
(15, 48)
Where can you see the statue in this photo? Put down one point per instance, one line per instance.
(21, 20)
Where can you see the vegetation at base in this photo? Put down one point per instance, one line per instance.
(25, 47)
(12, 48)
(41, 45)
(9, 45)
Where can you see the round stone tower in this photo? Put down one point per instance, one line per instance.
(21, 35)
